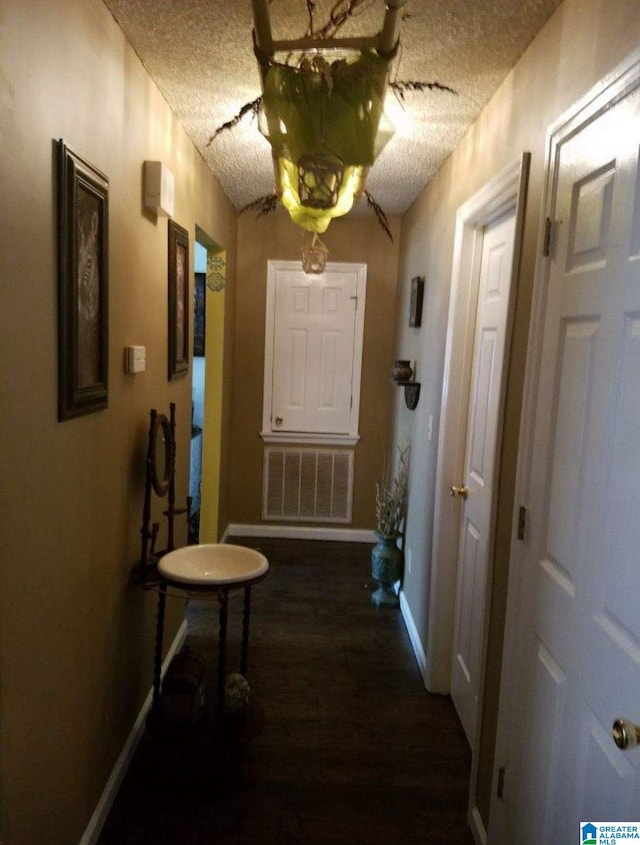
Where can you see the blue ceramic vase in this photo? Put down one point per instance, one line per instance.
(387, 565)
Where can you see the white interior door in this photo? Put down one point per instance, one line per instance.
(480, 466)
(577, 605)
(313, 351)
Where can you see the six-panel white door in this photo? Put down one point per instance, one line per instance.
(479, 467)
(314, 344)
(578, 606)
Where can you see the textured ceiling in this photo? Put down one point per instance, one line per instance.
(200, 54)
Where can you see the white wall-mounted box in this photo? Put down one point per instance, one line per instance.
(158, 188)
(135, 359)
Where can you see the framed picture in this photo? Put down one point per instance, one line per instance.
(199, 319)
(415, 309)
(178, 300)
(83, 284)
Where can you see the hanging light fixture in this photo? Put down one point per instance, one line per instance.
(314, 256)
(324, 119)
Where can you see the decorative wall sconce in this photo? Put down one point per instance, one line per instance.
(404, 376)
(411, 394)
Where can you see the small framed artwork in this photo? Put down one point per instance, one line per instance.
(415, 309)
(178, 300)
(199, 314)
(83, 284)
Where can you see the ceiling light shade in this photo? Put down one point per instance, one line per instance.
(316, 219)
(325, 126)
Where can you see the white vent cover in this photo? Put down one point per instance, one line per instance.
(310, 485)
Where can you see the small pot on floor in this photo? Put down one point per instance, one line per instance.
(387, 565)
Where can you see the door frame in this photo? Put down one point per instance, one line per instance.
(505, 192)
(481, 505)
(598, 99)
(213, 400)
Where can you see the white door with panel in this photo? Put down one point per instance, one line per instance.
(476, 493)
(316, 349)
(577, 605)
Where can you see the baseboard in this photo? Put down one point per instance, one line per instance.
(421, 657)
(99, 817)
(477, 827)
(299, 532)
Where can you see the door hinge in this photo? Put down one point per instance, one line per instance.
(522, 522)
(351, 402)
(355, 299)
(501, 776)
(548, 230)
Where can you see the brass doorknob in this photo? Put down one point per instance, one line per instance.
(625, 734)
(462, 491)
(279, 420)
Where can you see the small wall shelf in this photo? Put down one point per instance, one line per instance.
(411, 393)
(404, 374)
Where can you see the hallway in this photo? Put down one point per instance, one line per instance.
(350, 749)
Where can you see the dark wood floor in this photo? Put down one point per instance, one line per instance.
(347, 745)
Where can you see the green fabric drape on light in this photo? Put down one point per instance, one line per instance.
(305, 115)
(333, 113)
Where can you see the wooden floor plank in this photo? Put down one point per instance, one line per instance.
(350, 749)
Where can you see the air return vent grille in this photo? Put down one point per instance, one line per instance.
(307, 485)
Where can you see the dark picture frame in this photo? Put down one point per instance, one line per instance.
(178, 300)
(83, 286)
(199, 313)
(415, 307)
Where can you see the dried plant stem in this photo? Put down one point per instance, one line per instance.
(380, 215)
(339, 14)
(249, 108)
(391, 498)
(263, 205)
(401, 86)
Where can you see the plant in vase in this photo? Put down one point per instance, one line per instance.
(387, 560)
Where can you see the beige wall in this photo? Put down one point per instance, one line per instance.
(76, 639)
(582, 42)
(274, 237)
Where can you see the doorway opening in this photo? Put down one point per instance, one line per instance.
(206, 391)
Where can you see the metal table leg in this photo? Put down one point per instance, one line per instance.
(157, 663)
(244, 656)
(223, 599)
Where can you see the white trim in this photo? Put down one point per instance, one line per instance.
(347, 438)
(410, 625)
(284, 437)
(99, 817)
(477, 827)
(505, 191)
(298, 532)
